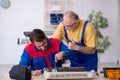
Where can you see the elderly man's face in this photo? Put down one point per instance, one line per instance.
(41, 45)
(68, 22)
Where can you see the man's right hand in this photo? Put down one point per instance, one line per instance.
(59, 56)
(36, 72)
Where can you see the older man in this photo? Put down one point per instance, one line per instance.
(81, 38)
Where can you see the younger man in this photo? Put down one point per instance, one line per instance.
(40, 53)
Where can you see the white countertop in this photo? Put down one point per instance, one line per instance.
(4, 72)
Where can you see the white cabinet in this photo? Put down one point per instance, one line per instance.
(53, 12)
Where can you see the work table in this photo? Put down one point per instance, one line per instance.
(4, 72)
(100, 77)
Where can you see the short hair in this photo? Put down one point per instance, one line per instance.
(37, 35)
(72, 15)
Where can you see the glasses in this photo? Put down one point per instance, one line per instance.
(71, 25)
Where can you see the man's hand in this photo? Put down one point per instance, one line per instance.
(36, 72)
(72, 45)
(59, 56)
(87, 50)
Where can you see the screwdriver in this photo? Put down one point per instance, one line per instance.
(55, 67)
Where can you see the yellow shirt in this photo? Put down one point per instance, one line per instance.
(90, 39)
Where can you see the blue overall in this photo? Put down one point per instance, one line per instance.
(79, 59)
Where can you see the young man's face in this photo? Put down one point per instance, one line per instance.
(42, 45)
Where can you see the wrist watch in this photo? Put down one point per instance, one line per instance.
(5, 4)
